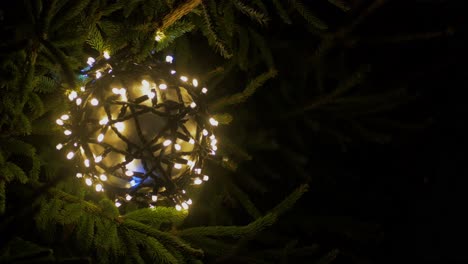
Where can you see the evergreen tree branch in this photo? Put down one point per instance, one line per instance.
(178, 13)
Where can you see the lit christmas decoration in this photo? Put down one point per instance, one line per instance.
(140, 132)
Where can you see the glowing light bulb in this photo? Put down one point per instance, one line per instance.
(169, 59)
(204, 90)
(151, 95)
(70, 155)
(197, 181)
(106, 55)
(59, 146)
(117, 204)
(185, 205)
(120, 126)
(122, 91)
(86, 162)
(104, 121)
(98, 159)
(116, 90)
(100, 137)
(145, 83)
(189, 201)
(82, 88)
(215, 148)
(213, 142)
(195, 82)
(177, 147)
(206, 177)
(98, 187)
(129, 173)
(94, 101)
(103, 177)
(79, 175)
(197, 170)
(178, 166)
(205, 132)
(72, 95)
(183, 78)
(192, 141)
(178, 207)
(128, 197)
(65, 117)
(213, 121)
(98, 74)
(163, 86)
(91, 61)
(193, 105)
(154, 198)
(78, 101)
(167, 142)
(59, 122)
(88, 182)
(67, 132)
(173, 72)
(159, 36)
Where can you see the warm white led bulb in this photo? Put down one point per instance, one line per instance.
(86, 162)
(154, 198)
(98, 74)
(163, 86)
(59, 146)
(151, 95)
(59, 122)
(65, 117)
(173, 72)
(103, 177)
(78, 101)
(197, 170)
(72, 95)
(195, 82)
(98, 187)
(89, 182)
(98, 159)
(128, 197)
(117, 204)
(204, 90)
(178, 207)
(167, 142)
(145, 83)
(106, 55)
(177, 147)
(189, 201)
(177, 166)
(91, 61)
(193, 105)
(82, 88)
(213, 121)
(205, 132)
(94, 101)
(169, 59)
(185, 205)
(116, 90)
(100, 137)
(183, 78)
(103, 121)
(120, 126)
(206, 177)
(79, 175)
(197, 181)
(129, 173)
(67, 132)
(70, 155)
(192, 141)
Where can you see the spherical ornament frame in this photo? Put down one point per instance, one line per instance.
(142, 132)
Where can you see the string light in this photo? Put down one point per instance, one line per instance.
(204, 90)
(59, 146)
(91, 61)
(125, 143)
(206, 178)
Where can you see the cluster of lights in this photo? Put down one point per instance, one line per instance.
(119, 151)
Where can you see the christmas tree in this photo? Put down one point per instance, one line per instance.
(190, 131)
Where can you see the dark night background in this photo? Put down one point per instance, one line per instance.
(391, 189)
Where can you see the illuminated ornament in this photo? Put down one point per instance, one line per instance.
(141, 133)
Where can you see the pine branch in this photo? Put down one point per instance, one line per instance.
(248, 91)
(178, 13)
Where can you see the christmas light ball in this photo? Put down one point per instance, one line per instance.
(141, 131)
